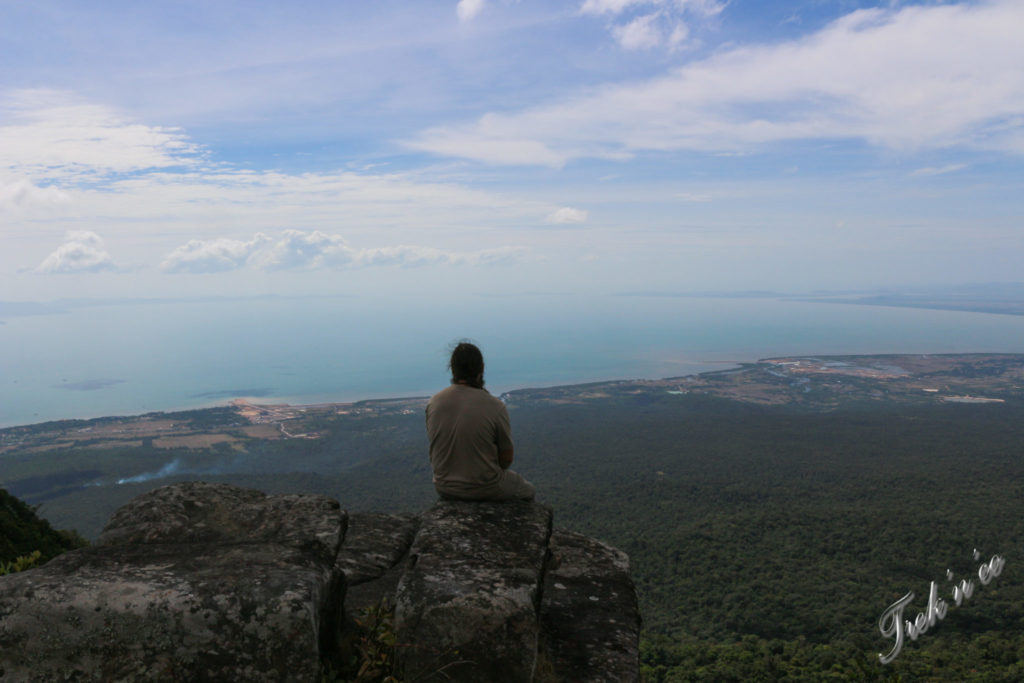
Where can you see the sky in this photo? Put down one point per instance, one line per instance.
(168, 149)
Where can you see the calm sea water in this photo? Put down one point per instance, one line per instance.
(129, 358)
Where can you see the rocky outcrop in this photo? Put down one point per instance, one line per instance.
(589, 618)
(189, 582)
(468, 600)
(212, 582)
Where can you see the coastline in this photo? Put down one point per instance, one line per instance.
(191, 357)
(823, 380)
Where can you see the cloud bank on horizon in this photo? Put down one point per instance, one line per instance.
(296, 249)
(697, 144)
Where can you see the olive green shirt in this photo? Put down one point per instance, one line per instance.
(467, 429)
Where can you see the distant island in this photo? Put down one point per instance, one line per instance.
(999, 299)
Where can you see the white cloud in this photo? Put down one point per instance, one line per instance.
(938, 170)
(46, 134)
(300, 250)
(680, 32)
(609, 6)
(297, 249)
(493, 141)
(23, 194)
(408, 256)
(640, 33)
(644, 24)
(164, 206)
(705, 8)
(885, 77)
(566, 215)
(212, 256)
(468, 9)
(399, 255)
(82, 252)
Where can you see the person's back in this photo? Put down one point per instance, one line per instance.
(470, 436)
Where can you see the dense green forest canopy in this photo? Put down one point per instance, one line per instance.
(765, 541)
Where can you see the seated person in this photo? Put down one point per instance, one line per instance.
(470, 436)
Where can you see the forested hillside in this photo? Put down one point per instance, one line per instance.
(22, 533)
(765, 541)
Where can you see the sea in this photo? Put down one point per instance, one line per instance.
(92, 358)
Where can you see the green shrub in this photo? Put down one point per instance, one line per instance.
(22, 563)
(369, 648)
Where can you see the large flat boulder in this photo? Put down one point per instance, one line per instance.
(197, 512)
(467, 603)
(190, 582)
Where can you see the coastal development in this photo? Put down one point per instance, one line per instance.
(818, 383)
(824, 382)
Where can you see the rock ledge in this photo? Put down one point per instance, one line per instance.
(197, 581)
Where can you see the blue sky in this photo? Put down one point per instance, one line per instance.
(514, 146)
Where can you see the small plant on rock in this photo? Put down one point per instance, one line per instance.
(372, 648)
(21, 563)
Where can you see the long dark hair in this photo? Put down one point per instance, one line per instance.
(467, 365)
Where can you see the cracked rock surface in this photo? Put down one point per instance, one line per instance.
(205, 582)
(375, 545)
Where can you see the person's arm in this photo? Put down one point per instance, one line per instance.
(503, 438)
